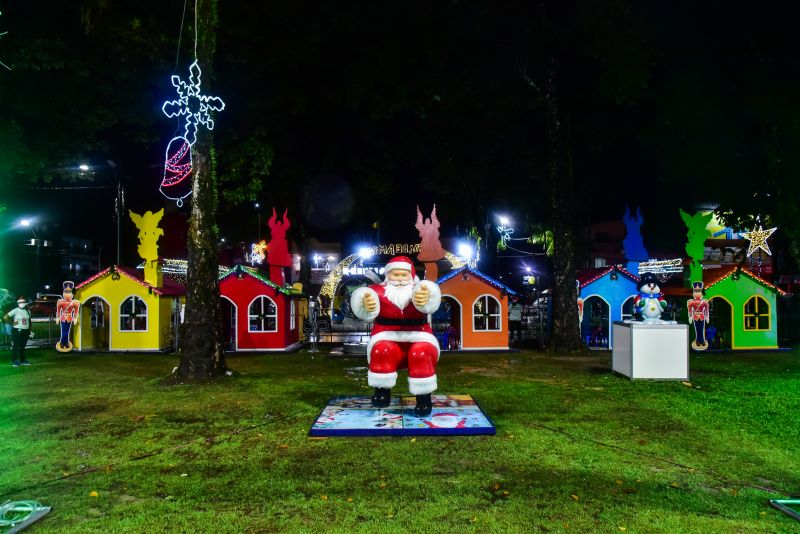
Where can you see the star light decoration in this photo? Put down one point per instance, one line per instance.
(758, 239)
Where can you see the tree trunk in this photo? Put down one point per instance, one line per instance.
(565, 332)
(201, 349)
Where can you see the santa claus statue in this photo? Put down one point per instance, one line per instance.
(401, 336)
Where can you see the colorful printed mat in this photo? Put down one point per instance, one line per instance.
(452, 415)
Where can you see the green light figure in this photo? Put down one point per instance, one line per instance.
(696, 239)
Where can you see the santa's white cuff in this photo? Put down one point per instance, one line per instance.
(422, 386)
(357, 304)
(381, 380)
(434, 300)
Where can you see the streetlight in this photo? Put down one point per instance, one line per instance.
(119, 201)
(29, 224)
(84, 167)
(465, 251)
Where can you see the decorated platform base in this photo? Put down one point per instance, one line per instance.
(453, 415)
(655, 351)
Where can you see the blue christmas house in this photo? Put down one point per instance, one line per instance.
(605, 295)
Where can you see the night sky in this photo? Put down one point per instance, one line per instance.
(364, 110)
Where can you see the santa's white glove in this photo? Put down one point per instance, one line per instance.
(422, 296)
(370, 303)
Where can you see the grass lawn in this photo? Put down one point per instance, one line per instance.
(578, 449)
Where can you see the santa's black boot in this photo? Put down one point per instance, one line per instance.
(424, 405)
(382, 397)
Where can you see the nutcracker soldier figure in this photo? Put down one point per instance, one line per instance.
(67, 315)
(698, 316)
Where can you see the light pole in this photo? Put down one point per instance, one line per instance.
(257, 206)
(28, 223)
(119, 202)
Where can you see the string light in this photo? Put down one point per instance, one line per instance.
(612, 269)
(177, 167)
(195, 108)
(674, 265)
(491, 281)
(192, 104)
(240, 269)
(505, 233)
(333, 279)
(257, 252)
(758, 240)
(734, 271)
(1, 63)
(130, 274)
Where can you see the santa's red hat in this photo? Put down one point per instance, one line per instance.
(401, 262)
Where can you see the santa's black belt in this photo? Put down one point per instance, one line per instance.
(400, 322)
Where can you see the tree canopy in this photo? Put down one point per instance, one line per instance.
(360, 101)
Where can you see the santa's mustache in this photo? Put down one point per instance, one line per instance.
(399, 282)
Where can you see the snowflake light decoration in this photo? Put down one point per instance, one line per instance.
(192, 104)
(196, 108)
(505, 235)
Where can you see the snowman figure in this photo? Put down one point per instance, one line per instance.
(649, 302)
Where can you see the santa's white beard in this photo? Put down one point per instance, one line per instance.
(399, 295)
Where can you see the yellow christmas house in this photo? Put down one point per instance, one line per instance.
(122, 310)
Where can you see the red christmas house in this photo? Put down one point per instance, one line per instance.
(258, 314)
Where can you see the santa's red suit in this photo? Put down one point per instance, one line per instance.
(400, 338)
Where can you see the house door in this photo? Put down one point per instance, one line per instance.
(228, 324)
(95, 324)
(719, 330)
(595, 325)
(447, 324)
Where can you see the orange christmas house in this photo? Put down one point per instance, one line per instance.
(478, 311)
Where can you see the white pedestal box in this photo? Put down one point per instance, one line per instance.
(654, 351)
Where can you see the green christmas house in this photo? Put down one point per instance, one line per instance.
(743, 308)
(743, 304)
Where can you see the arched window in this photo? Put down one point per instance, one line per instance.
(486, 313)
(756, 314)
(627, 308)
(263, 315)
(133, 315)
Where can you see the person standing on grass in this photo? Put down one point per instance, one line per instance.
(515, 318)
(20, 318)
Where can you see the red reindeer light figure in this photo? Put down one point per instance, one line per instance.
(278, 250)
